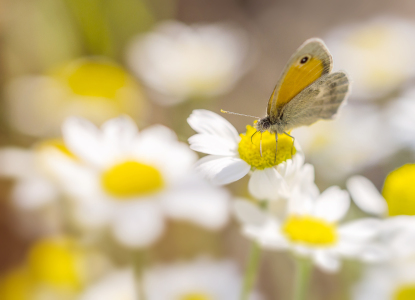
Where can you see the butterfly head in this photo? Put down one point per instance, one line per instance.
(263, 124)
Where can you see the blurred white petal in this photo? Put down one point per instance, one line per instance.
(332, 204)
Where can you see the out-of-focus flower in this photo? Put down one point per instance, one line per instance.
(387, 282)
(358, 138)
(377, 54)
(396, 207)
(95, 88)
(203, 279)
(400, 117)
(311, 229)
(181, 62)
(232, 156)
(130, 180)
(115, 286)
(56, 268)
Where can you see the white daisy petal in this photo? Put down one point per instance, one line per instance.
(84, 140)
(200, 203)
(366, 196)
(138, 224)
(360, 230)
(34, 193)
(119, 133)
(212, 144)
(332, 204)
(327, 260)
(222, 170)
(210, 123)
(266, 184)
(249, 213)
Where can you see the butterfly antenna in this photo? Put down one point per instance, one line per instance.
(232, 113)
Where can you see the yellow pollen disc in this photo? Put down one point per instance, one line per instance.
(56, 262)
(249, 150)
(196, 296)
(95, 78)
(130, 179)
(405, 292)
(310, 230)
(399, 191)
(16, 285)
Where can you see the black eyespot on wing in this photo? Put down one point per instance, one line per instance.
(304, 60)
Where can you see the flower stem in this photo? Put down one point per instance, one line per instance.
(251, 271)
(139, 261)
(302, 278)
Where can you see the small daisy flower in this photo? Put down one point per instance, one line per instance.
(130, 180)
(396, 207)
(94, 88)
(359, 48)
(311, 229)
(387, 282)
(182, 62)
(232, 156)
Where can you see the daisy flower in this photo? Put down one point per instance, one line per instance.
(387, 282)
(202, 279)
(360, 47)
(95, 88)
(180, 62)
(232, 156)
(395, 206)
(130, 180)
(310, 229)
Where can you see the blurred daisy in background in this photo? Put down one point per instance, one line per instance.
(95, 88)
(396, 206)
(387, 282)
(310, 229)
(181, 62)
(232, 156)
(377, 54)
(55, 268)
(400, 117)
(202, 279)
(338, 149)
(130, 180)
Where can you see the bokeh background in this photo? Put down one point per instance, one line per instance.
(69, 57)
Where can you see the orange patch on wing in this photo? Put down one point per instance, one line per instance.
(297, 79)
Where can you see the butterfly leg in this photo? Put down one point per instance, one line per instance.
(276, 147)
(260, 146)
(252, 136)
(292, 147)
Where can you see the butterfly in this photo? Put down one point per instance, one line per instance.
(306, 92)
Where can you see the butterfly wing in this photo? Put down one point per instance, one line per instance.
(298, 74)
(320, 100)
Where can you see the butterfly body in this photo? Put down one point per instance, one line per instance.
(306, 91)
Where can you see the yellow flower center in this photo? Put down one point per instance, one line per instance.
(55, 262)
(131, 178)
(250, 151)
(95, 78)
(310, 230)
(399, 191)
(405, 292)
(196, 296)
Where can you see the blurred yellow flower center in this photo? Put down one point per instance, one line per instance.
(310, 230)
(399, 191)
(57, 144)
(96, 79)
(196, 296)
(16, 285)
(130, 179)
(405, 292)
(250, 152)
(55, 262)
